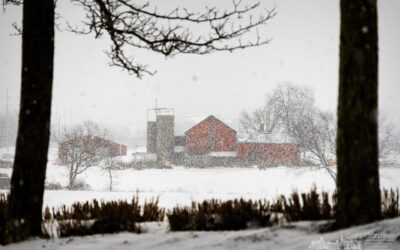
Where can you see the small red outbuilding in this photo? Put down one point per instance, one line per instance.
(275, 153)
(90, 142)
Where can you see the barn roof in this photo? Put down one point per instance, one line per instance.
(211, 117)
(93, 137)
(275, 138)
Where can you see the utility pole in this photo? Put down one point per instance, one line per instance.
(156, 109)
(7, 134)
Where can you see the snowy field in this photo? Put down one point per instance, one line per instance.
(183, 185)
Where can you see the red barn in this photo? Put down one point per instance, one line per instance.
(210, 135)
(90, 142)
(276, 153)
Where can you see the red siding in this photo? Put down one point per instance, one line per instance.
(281, 153)
(91, 141)
(210, 135)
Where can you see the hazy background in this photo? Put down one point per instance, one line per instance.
(304, 51)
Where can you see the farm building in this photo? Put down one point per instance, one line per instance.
(179, 150)
(272, 153)
(160, 133)
(210, 135)
(90, 143)
(213, 143)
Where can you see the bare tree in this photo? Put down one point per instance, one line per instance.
(317, 134)
(81, 147)
(387, 137)
(296, 105)
(109, 164)
(127, 24)
(28, 177)
(291, 109)
(264, 120)
(136, 25)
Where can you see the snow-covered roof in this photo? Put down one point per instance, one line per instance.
(210, 117)
(144, 156)
(223, 154)
(267, 138)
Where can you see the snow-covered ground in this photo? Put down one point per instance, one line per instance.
(382, 235)
(181, 186)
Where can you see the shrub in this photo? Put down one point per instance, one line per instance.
(3, 218)
(105, 217)
(241, 214)
(52, 186)
(311, 206)
(390, 203)
(151, 211)
(6, 164)
(180, 219)
(80, 185)
(5, 181)
(115, 216)
(218, 215)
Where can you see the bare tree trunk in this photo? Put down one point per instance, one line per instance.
(110, 175)
(27, 184)
(71, 177)
(357, 138)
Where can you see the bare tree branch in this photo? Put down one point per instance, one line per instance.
(17, 28)
(12, 2)
(291, 109)
(81, 147)
(132, 25)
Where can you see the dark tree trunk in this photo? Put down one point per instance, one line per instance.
(357, 138)
(27, 183)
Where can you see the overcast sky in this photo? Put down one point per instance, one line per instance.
(303, 51)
